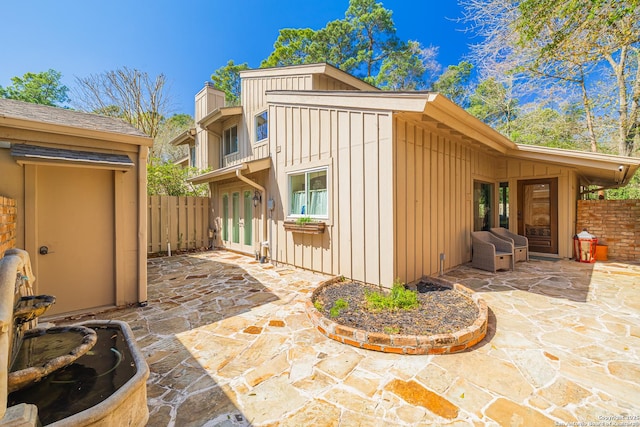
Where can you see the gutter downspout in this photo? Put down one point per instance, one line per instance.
(263, 192)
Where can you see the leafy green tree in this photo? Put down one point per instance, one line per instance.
(572, 43)
(454, 83)
(227, 79)
(560, 128)
(493, 103)
(171, 180)
(38, 88)
(405, 69)
(292, 47)
(373, 36)
(364, 43)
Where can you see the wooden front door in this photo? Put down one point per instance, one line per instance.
(75, 237)
(538, 214)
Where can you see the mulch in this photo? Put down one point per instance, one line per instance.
(441, 310)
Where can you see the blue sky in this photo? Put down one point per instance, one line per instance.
(187, 40)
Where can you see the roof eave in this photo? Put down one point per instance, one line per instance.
(219, 114)
(45, 127)
(185, 137)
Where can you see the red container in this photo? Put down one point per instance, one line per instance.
(584, 247)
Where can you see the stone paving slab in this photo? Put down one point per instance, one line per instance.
(229, 344)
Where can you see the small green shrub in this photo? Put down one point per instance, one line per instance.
(318, 305)
(304, 220)
(399, 298)
(391, 330)
(339, 305)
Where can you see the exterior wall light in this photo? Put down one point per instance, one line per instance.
(257, 198)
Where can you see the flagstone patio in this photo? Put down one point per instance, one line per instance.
(229, 344)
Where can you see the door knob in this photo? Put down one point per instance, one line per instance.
(43, 250)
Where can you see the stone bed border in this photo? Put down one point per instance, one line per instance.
(404, 344)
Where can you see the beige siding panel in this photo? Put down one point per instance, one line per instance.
(387, 200)
(305, 135)
(372, 199)
(344, 193)
(335, 191)
(419, 202)
(314, 134)
(401, 199)
(325, 134)
(357, 178)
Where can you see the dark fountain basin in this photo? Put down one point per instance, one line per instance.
(105, 386)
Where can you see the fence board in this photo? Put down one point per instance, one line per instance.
(181, 222)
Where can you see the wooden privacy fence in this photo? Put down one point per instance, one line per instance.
(181, 222)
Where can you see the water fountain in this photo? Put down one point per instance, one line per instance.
(89, 374)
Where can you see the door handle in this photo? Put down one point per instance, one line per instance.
(43, 250)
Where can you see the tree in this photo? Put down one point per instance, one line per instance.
(405, 69)
(538, 125)
(127, 93)
(227, 79)
(454, 83)
(543, 43)
(493, 103)
(169, 129)
(38, 88)
(171, 180)
(365, 44)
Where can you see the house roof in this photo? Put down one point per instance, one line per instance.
(25, 115)
(320, 68)
(597, 169)
(230, 171)
(218, 114)
(186, 137)
(25, 153)
(428, 107)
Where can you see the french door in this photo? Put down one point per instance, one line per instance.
(538, 214)
(237, 217)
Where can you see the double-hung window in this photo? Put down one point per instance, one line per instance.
(262, 126)
(308, 194)
(230, 141)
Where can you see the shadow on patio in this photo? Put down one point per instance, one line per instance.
(229, 343)
(558, 279)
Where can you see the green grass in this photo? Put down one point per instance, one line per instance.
(399, 298)
(338, 306)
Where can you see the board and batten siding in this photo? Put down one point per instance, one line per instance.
(514, 170)
(433, 202)
(356, 149)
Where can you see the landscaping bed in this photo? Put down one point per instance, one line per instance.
(442, 318)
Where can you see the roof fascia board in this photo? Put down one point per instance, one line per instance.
(229, 171)
(624, 167)
(378, 100)
(296, 70)
(184, 138)
(46, 127)
(219, 113)
(449, 114)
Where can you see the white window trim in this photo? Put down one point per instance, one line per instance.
(327, 169)
(237, 142)
(255, 127)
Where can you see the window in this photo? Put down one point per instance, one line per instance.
(482, 203)
(192, 156)
(230, 141)
(262, 126)
(503, 204)
(308, 194)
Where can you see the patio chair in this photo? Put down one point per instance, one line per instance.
(520, 243)
(491, 253)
